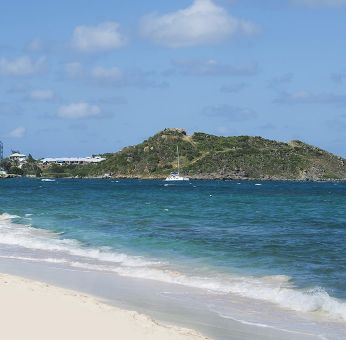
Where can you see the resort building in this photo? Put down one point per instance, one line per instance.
(3, 173)
(19, 158)
(72, 160)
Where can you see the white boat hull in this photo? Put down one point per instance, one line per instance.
(176, 178)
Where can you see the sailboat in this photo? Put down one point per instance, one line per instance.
(175, 176)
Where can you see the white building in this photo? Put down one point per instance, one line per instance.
(72, 160)
(3, 173)
(18, 157)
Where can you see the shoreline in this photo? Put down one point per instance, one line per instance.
(154, 301)
(192, 178)
(40, 308)
(206, 301)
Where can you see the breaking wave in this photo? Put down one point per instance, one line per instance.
(276, 289)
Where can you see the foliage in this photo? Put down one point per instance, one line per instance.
(14, 170)
(207, 156)
(32, 169)
(30, 159)
(5, 164)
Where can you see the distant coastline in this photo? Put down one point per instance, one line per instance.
(202, 156)
(161, 178)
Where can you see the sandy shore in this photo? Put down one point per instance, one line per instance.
(34, 310)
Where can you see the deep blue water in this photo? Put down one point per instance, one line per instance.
(210, 229)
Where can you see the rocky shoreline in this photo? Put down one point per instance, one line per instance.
(9, 176)
(192, 178)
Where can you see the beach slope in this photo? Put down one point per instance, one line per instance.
(34, 310)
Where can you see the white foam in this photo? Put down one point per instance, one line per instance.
(276, 289)
(261, 325)
(7, 217)
(40, 239)
(32, 259)
(267, 289)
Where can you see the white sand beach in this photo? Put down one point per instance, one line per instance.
(35, 310)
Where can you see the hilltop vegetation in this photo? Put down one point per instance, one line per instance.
(208, 156)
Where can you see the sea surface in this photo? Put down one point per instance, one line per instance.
(276, 246)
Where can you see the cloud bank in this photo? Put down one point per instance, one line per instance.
(78, 110)
(18, 132)
(21, 66)
(113, 76)
(230, 112)
(280, 80)
(338, 77)
(107, 74)
(201, 23)
(42, 95)
(319, 3)
(305, 97)
(233, 88)
(103, 37)
(211, 67)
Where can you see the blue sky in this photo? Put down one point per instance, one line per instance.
(78, 78)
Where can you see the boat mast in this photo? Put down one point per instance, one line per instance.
(178, 160)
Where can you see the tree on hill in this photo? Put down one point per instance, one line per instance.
(5, 164)
(30, 159)
(16, 171)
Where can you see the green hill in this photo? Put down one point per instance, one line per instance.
(208, 156)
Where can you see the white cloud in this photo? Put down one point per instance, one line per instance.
(233, 88)
(18, 132)
(105, 36)
(338, 77)
(192, 67)
(305, 97)
(78, 110)
(114, 76)
(22, 66)
(202, 23)
(42, 95)
(10, 109)
(281, 80)
(74, 69)
(102, 73)
(318, 3)
(35, 45)
(229, 112)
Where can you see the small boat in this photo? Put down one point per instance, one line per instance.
(175, 176)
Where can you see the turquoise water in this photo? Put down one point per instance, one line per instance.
(278, 242)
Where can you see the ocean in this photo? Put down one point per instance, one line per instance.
(264, 254)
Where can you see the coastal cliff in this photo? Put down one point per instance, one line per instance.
(207, 156)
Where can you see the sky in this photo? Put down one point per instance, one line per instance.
(86, 77)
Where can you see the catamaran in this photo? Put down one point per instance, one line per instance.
(175, 176)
